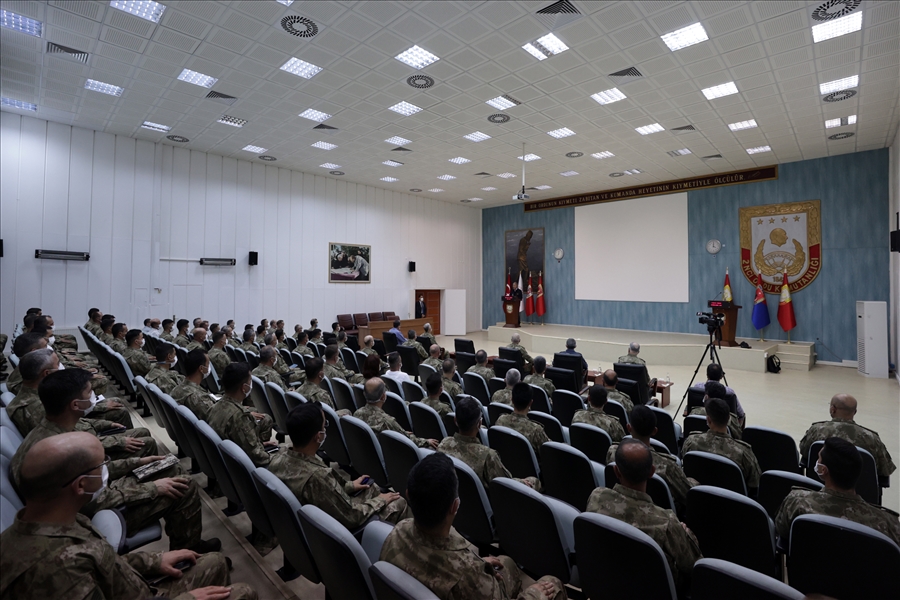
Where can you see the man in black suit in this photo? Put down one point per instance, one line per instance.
(570, 349)
(421, 311)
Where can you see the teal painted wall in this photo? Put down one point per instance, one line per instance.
(853, 189)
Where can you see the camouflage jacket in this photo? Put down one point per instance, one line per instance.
(305, 350)
(723, 445)
(734, 424)
(596, 417)
(94, 328)
(378, 420)
(623, 399)
(451, 387)
(336, 372)
(437, 363)
(118, 345)
(198, 400)
(503, 396)
(269, 375)
(532, 430)
(671, 472)
(167, 336)
(483, 460)
(195, 345)
(220, 360)
(853, 433)
(234, 422)
(486, 372)
(525, 356)
(182, 340)
(165, 379)
(420, 349)
(138, 360)
(541, 382)
(27, 412)
(628, 359)
(442, 408)
(249, 347)
(313, 393)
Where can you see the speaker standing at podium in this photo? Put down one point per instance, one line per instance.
(516, 293)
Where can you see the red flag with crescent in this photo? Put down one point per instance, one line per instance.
(508, 285)
(529, 299)
(541, 308)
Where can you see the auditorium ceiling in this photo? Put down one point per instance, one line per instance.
(594, 89)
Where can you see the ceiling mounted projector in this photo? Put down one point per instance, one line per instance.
(522, 196)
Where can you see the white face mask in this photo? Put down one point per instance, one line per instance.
(93, 400)
(174, 362)
(247, 393)
(62, 367)
(104, 480)
(50, 340)
(819, 469)
(324, 435)
(141, 345)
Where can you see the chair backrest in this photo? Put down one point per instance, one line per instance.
(477, 387)
(259, 398)
(359, 394)
(501, 366)
(345, 321)
(711, 576)
(712, 469)
(400, 456)
(380, 348)
(616, 560)
(563, 379)
(694, 423)
(547, 544)
(870, 566)
(364, 449)
(463, 345)
(111, 525)
(7, 513)
(657, 488)
(513, 355)
(210, 441)
(154, 395)
(748, 539)
(189, 427)
(376, 316)
(774, 486)
(474, 521)
(353, 342)
(572, 362)
(6, 487)
(6, 398)
(565, 405)
(349, 358)
(283, 506)
(464, 360)
(539, 399)
(342, 564)
(390, 341)
(211, 381)
(665, 429)
(569, 475)
(449, 421)
(409, 360)
(426, 422)
(241, 469)
(393, 583)
(591, 440)
(238, 352)
(298, 359)
(629, 387)
(618, 411)
(7, 422)
(253, 359)
(293, 400)
(515, 451)
(314, 348)
(426, 371)
(276, 402)
(774, 450)
(412, 391)
(552, 427)
(695, 397)
(638, 374)
(343, 394)
(393, 386)
(495, 384)
(496, 410)
(361, 319)
(289, 341)
(335, 445)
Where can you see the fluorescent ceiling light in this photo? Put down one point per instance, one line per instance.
(435, 190)
(632, 171)
(742, 125)
(529, 157)
(851, 120)
(682, 152)
(459, 160)
(17, 22)
(839, 84)
(687, 36)
(389, 179)
(330, 166)
(718, 91)
(145, 9)
(285, 2)
(254, 149)
(197, 78)
(397, 140)
(609, 96)
(602, 155)
(103, 88)
(561, 132)
(837, 27)
(542, 187)
(829, 123)
(477, 137)
(405, 108)
(324, 145)
(417, 58)
(233, 121)
(17, 104)
(314, 115)
(534, 52)
(503, 102)
(155, 126)
(505, 175)
(488, 189)
(648, 129)
(569, 173)
(475, 199)
(545, 47)
(446, 177)
(392, 163)
(759, 149)
(301, 68)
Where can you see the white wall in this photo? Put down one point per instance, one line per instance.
(894, 318)
(132, 202)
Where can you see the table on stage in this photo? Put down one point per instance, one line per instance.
(662, 387)
(377, 328)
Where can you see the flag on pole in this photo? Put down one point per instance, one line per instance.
(508, 285)
(760, 316)
(529, 298)
(540, 309)
(726, 293)
(522, 301)
(786, 307)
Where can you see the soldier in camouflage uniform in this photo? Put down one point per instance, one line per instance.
(335, 371)
(450, 386)
(714, 389)
(537, 377)
(717, 441)
(642, 426)
(217, 355)
(609, 379)
(432, 341)
(182, 338)
(233, 421)
(166, 334)
(280, 365)
(504, 396)
(198, 337)
(302, 348)
(429, 549)
(93, 322)
(842, 425)
(518, 419)
(266, 370)
(189, 393)
(68, 558)
(629, 502)
(632, 358)
(119, 330)
(369, 349)
(106, 324)
(3, 339)
(466, 446)
(515, 342)
(480, 367)
(374, 416)
(839, 466)
(594, 415)
(162, 375)
(412, 343)
(434, 388)
(315, 374)
(134, 354)
(434, 358)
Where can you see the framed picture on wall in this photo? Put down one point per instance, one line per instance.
(349, 263)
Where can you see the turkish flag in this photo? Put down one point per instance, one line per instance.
(786, 308)
(541, 309)
(508, 285)
(529, 299)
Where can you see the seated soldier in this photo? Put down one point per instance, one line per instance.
(249, 345)
(106, 324)
(480, 367)
(839, 466)
(266, 369)
(72, 359)
(59, 554)
(335, 370)
(170, 494)
(302, 341)
(429, 548)
(518, 419)
(412, 343)
(432, 341)
(134, 354)
(280, 344)
(466, 446)
(504, 396)
(714, 389)
(166, 333)
(434, 388)
(629, 502)
(217, 356)
(261, 332)
(609, 380)
(515, 342)
(311, 390)
(452, 387)
(715, 374)
(119, 331)
(93, 323)
(189, 392)
(289, 374)
(434, 357)
(182, 338)
(352, 503)
(632, 358)
(537, 377)
(233, 421)
(315, 336)
(717, 441)
(198, 340)
(341, 340)
(394, 362)
(162, 375)
(594, 415)
(374, 416)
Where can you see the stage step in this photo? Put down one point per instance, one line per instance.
(796, 357)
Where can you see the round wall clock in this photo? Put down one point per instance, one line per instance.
(558, 254)
(713, 246)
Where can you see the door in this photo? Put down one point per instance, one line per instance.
(432, 308)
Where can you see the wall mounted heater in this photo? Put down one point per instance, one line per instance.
(218, 262)
(62, 255)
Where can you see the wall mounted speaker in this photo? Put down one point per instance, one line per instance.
(412, 266)
(254, 259)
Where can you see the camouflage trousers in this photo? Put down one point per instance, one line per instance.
(65, 341)
(394, 512)
(211, 569)
(512, 582)
(150, 447)
(118, 415)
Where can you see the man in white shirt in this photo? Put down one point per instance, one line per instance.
(395, 373)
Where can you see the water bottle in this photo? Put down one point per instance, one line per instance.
(668, 381)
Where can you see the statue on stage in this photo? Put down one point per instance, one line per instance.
(524, 245)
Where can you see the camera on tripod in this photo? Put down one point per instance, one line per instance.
(713, 321)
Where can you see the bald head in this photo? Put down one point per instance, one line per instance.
(435, 350)
(368, 341)
(55, 461)
(199, 334)
(634, 463)
(374, 390)
(843, 406)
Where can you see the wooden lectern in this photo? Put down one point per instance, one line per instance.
(511, 310)
(729, 328)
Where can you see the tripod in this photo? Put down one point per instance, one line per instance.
(714, 335)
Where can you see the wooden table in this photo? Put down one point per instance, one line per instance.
(377, 328)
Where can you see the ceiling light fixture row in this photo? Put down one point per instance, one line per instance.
(648, 129)
(602, 155)
(830, 123)
(759, 150)
(609, 96)
(740, 125)
(330, 166)
(477, 136)
(398, 141)
(503, 102)
(405, 108)
(839, 85)
(561, 132)
(569, 173)
(324, 145)
(233, 121)
(685, 37)
(676, 153)
(155, 126)
(505, 175)
(20, 23)
(545, 47)
(197, 78)
(392, 163)
(145, 9)
(542, 187)
(254, 149)
(720, 91)
(103, 88)
(389, 179)
(12, 103)
(300, 68)
(459, 160)
(837, 27)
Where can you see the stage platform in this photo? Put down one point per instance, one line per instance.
(661, 348)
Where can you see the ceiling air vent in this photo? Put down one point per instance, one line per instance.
(482, 174)
(299, 26)
(267, 158)
(323, 128)
(574, 154)
(220, 97)
(841, 136)
(178, 138)
(558, 14)
(834, 9)
(400, 149)
(415, 190)
(498, 118)
(625, 75)
(683, 129)
(712, 157)
(420, 82)
(838, 96)
(71, 52)
(335, 173)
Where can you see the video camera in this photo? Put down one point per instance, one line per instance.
(712, 321)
